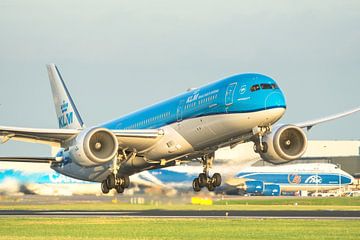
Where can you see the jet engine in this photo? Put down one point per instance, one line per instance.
(94, 147)
(284, 144)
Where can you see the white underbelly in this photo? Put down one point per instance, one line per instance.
(197, 134)
(203, 132)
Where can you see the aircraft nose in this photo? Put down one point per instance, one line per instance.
(275, 100)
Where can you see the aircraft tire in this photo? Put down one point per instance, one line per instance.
(104, 187)
(210, 187)
(216, 179)
(196, 185)
(119, 189)
(110, 181)
(202, 180)
(126, 182)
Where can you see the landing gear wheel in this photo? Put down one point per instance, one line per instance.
(210, 187)
(216, 179)
(196, 185)
(126, 182)
(257, 148)
(202, 179)
(119, 189)
(104, 187)
(111, 181)
(265, 147)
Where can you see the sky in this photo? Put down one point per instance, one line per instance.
(118, 56)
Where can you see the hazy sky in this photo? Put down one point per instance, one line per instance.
(117, 56)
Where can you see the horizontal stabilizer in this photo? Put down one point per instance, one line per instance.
(32, 159)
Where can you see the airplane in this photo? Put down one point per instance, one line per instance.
(188, 127)
(272, 180)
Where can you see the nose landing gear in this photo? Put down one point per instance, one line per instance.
(204, 179)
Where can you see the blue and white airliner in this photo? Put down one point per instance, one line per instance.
(187, 127)
(271, 180)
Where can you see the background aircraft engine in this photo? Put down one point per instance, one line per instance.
(94, 147)
(254, 186)
(271, 190)
(284, 144)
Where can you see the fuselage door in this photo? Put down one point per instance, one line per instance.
(229, 95)
(179, 111)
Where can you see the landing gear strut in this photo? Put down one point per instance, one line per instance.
(204, 179)
(259, 145)
(115, 180)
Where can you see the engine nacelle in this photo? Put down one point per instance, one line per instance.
(254, 186)
(271, 190)
(284, 144)
(94, 147)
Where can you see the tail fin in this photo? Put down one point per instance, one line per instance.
(68, 115)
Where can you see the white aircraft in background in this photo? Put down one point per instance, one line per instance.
(191, 126)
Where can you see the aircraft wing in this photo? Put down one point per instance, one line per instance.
(309, 124)
(37, 135)
(54, 137)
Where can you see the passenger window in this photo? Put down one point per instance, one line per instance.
(266, 86)
(255, 88)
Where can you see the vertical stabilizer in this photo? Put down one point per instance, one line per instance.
(67, 114)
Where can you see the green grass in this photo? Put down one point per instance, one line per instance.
(154, 228)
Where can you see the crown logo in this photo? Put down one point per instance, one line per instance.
(64, 107)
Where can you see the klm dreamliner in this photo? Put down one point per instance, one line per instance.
(188, 127)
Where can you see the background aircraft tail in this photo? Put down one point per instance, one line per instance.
(66, 111)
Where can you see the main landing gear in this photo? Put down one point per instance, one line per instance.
(117, 182)
(204, 179)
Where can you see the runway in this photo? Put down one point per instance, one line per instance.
(344, 215)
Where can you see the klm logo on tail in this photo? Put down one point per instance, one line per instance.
(66, 118)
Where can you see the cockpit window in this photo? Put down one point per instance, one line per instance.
(266, 86)
(274, 86)
(255, 88)
(263, 86)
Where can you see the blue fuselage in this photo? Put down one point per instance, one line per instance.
(242, 93)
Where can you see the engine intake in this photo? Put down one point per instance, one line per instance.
(94, 147)
(284, 144)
